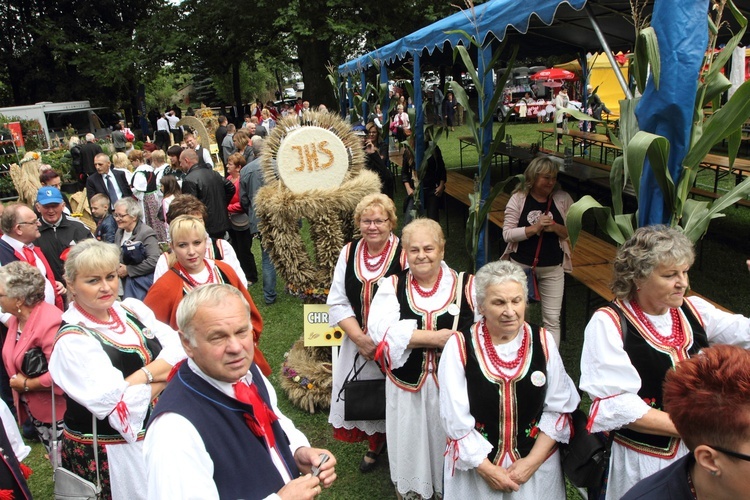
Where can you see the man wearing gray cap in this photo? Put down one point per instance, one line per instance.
(58, 231)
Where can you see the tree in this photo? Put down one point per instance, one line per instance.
(332, 31)
(87, 49)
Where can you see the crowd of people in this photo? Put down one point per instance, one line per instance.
(135, 350)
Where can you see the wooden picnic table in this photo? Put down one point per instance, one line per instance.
(720, 165)
(582, 139)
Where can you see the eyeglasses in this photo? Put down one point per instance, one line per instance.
(377, 222)
(734, 454)
(119, 216)
(34, 222)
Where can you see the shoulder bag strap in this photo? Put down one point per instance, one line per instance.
(539, 244)
(349, 376)
(55, 464)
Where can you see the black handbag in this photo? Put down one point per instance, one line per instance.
(363, 399)
(133, 253)
(585, 459)
(34, 363)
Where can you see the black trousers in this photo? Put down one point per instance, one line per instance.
(242, 242)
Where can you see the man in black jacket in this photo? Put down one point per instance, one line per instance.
(89, 150)
(211, 189)
(108, 181)
(58, 232)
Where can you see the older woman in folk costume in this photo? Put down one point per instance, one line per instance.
(504, 362)
(629, 347)
(112, 359)
(359, 269)
(189, 269)
(411, 317)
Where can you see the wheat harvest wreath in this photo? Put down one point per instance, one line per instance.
(313, 170)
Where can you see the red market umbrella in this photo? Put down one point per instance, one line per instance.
(552, 84)
(554, 74)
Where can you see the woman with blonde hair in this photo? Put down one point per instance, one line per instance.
(267, 120)
(112, 360)
(188, 269)
(361, 265)
(120, 161)
(534, 229)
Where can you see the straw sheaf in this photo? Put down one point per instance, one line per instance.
(329, 212)
(307, 377)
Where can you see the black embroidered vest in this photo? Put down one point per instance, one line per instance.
(422, 361)
(652, 360)
(128, 359)
(360, 291)
(507, 412)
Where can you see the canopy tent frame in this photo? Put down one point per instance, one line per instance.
(490, 21)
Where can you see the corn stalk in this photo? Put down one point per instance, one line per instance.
(689, 215)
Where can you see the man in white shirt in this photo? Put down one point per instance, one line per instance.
(175, 129)
(203, 153)
(161, 137)
(216, 431)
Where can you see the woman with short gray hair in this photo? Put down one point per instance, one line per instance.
(32, 328)
(139, 249)
(502, 362)
(630, 346)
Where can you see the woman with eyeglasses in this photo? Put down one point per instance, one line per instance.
(630, 346)
(361, 266)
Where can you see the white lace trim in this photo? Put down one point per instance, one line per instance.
(398, 337)
(618, 411)
(549, 425)
(472, 450)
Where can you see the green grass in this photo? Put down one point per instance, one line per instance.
(719, 273)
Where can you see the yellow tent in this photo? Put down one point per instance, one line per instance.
(603, 76)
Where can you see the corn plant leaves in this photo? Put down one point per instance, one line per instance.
(647, 54)
(574, 220)
(696, 218)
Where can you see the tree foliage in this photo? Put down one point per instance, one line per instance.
(86, 49)
(332, 31)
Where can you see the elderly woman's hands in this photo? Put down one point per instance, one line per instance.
(497, 477)
(366, 346)
(522, 469)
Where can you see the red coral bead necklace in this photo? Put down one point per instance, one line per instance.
(492, 353)
(381, 256)
(193, 282)
(676, 339)
(115, 324)
(427, 293)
